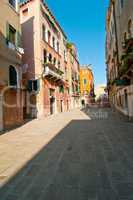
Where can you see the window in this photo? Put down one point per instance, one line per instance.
(125, 37)
(85, 81)
(33, 85)
(122, 3)
(49, 37)
(12, 76)
(59, 64)
(64, 54)
(54, 61)
(43, 33)
(12, 35)
(50, 58)
(126, 99)
(130, 28)
(25, 11)
(13, 3)
(61, 89)
(53, 41)
(58, 47)
(45, 56)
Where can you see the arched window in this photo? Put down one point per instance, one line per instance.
(50, 58)
(43, 32)
(54, 61)
(58, 47)
(125, 37)
(49, 37)
(12, 76)
(53, 41)
(44, 55)
(130, 28)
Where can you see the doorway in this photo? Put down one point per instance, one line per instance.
(52, 102)
(126, 99)
(61, 105)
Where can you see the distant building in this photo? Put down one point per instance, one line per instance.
(73, 75)
(101, 95)
(86, 84)
(100, 90)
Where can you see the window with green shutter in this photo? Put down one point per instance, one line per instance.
(33, 85)
(11, 34)
(7, 32)
(61, 89)
(19, 41)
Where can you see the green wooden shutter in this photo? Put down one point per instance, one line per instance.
(36, 85)
(18, 39)
(29, 86)
(7, 32)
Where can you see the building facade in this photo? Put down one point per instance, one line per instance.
(73, 75)
(11, 93)
(46, 60)
(86, 84)
(119, 56)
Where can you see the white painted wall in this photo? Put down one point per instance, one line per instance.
(128, 112)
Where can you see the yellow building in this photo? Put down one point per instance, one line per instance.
(86, 80)
(86, 83)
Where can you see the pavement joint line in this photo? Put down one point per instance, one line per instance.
(51, 180)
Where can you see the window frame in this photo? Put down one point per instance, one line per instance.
(13, 81)
(12, 31)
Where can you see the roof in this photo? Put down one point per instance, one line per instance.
(23, 2)
(87, 67)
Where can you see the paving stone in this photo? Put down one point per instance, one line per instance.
(57, 192)
(125, 190)
(107, 194)
(72, 159)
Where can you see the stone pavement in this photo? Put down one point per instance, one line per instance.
(79, 155)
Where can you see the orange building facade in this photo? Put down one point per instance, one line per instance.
(86, 84)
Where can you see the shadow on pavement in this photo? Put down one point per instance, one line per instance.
(78, 164)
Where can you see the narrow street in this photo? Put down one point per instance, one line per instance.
(71, 156)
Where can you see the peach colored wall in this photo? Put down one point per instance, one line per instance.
(34, 45)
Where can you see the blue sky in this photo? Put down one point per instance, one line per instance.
(84, 24)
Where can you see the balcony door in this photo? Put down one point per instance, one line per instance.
(52, 101)
(52, 105)
(126, 99)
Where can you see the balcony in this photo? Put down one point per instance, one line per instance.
(126, 68)
(15, 48)
(52, 73)
(128, 45)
